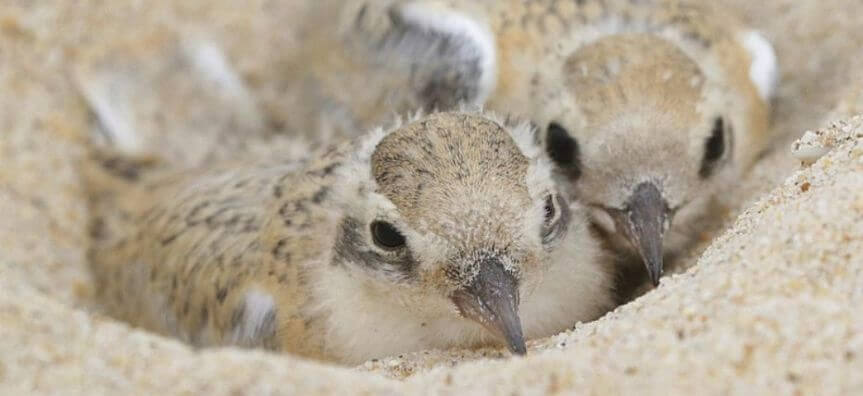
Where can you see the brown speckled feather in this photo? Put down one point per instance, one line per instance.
(283, 255)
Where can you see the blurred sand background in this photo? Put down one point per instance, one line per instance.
(773, 304)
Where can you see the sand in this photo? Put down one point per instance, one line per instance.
(768, 302)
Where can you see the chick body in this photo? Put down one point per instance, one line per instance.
(446, 231)
(648, 108)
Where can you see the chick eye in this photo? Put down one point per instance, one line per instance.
(386, 236)
(550, 212)
(563, 149)
(714, 148)
(556, 218)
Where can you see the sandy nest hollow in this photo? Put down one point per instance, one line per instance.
(773, 304)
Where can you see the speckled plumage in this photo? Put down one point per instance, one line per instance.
(278, 254)
(671, 93)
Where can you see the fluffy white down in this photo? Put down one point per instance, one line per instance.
(209, 59)
(764, 69)
(448, 22)
(258, 306)
(575, 287)
(109, 97)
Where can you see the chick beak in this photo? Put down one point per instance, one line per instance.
(491, 300)
(644, 223)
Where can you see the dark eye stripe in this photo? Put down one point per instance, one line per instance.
(352, 248)
(563, 150)
(714, 148)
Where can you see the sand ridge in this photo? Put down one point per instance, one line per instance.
(772, 304)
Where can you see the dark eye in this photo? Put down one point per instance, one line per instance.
(549, 209)
(556, 218)
(714, 148)
(563, 149)
(386, 236)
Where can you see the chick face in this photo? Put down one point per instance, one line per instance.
(639, 134)
(454, 218)
(646, 107)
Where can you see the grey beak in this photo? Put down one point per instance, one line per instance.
(492, 301)
(644, 223)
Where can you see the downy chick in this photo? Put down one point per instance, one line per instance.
(647, 108)
(175, 94)
(446, 231)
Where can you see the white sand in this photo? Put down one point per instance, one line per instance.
(772, 304)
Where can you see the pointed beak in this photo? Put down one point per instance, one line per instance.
(492, 301)
(644, 223)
